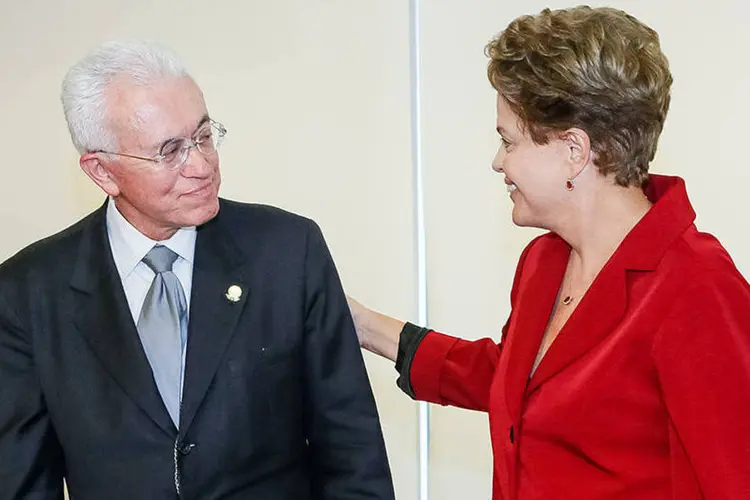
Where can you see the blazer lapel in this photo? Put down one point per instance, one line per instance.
(103, 318)
(213, 312)
(604, 304)
(541, 277)
(606, 301)
(599, 311)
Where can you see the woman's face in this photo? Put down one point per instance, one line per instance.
(535, 174)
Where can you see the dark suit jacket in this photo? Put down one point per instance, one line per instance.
(645, 392)
(276, 403)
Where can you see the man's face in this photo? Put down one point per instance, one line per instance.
(156, 200)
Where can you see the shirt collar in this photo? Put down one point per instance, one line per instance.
(130, 246)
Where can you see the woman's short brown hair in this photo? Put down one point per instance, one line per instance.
(598, 69)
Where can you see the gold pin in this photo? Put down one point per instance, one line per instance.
(234, 293)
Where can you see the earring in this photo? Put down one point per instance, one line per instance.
(570, 184)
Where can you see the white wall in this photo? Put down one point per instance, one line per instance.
(316, 97)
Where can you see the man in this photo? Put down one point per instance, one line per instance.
(173, 344)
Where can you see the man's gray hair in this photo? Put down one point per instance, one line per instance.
(84, 88)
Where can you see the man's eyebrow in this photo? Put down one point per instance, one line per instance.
(203, 121)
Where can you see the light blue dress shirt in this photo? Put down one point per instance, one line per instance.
(130, 246)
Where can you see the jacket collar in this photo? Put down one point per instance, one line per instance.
(606, 300)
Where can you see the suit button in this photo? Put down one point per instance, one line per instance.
(185, 448)
(512, 435)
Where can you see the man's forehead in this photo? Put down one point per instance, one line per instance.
(169, 94)
(152, 134)
(159, 112)
(154, 116)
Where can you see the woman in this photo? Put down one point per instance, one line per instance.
(623, 371)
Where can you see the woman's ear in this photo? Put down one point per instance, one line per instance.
(579, 145)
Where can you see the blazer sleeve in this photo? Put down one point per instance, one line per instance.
(348, 455)
(450, 371)
(31, 464)
(702, 355)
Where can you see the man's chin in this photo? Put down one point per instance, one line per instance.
(213, 211)
(204, 213)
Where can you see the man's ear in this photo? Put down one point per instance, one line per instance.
(94, 165)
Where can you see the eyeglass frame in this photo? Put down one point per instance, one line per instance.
(191, 143)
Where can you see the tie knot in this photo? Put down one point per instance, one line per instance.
(160, 259)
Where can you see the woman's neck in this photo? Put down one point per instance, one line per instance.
(601, 220)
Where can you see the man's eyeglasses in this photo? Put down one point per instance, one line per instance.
(173, 154)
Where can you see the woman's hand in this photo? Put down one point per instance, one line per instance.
(376, 332)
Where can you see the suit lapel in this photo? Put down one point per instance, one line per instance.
(103, 318)
(542, 274)
(213, 316)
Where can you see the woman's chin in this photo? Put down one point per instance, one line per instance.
(519, 217)
(522, 218)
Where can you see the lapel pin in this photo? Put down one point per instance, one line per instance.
(234, 293)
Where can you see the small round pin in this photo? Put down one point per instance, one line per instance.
(234, 293)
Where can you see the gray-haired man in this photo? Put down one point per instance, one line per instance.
(173, 344)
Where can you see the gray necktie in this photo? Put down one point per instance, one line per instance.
(161, 325)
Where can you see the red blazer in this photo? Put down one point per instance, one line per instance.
(645, 393)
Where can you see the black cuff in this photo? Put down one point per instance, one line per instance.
(409, 339)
